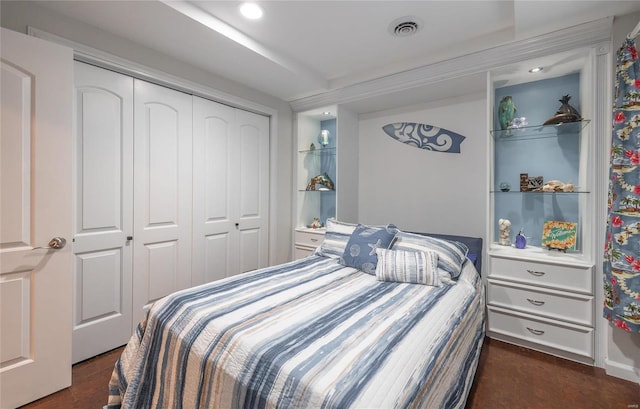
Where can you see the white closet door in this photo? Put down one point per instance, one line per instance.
(231, 191)
(251, 154)
(103, 211)
(214, 250)
(162, 200)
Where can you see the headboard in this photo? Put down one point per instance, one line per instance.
(474, 244)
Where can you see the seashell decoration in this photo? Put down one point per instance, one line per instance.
(557, 186)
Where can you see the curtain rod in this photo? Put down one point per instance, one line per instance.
(635, 31)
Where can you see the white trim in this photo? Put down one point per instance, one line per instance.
(619, 370)
(90, 55)
(601, 145)
(571, 38)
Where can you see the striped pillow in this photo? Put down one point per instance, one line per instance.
(335, 239)
(451, 254)
(400, 266)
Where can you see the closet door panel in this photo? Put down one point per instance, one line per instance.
(217, 257)
(98, 277)
(162, 202)
(163, 265)
(252, 151)
(216, 174)
(214, 238)
(103, 210)
(250, 243)
(101, 164)
(161, 141)
(249, 184)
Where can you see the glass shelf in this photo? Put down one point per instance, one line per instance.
(529, 192)
(318, 151)
(539, 131)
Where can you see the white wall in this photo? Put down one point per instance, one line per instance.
(17, 15)
(622, 349)
(420, 190)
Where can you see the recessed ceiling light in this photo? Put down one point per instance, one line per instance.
(536, 69)
(251, 11)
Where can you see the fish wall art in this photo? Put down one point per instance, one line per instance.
(425, 136)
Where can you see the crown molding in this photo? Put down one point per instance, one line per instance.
(582, 35)
(94, 56)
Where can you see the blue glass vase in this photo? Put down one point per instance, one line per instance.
(521, 240)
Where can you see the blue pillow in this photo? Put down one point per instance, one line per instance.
(361, 248)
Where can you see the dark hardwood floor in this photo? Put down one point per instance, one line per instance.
(513, 377)
(508, 377)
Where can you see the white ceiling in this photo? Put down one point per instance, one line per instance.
(304, 48)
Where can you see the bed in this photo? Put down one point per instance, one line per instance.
(311, 333)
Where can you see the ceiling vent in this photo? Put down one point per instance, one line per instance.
(405, 26)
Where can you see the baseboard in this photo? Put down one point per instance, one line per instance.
(626, 372)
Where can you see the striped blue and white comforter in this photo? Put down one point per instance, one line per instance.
(306, 334)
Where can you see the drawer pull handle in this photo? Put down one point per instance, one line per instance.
(535, 331)
(535, 273)
(535, 302)
(314, 240)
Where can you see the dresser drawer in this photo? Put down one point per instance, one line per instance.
(309, 238)
(549, 275)
(570, 307)
(561, 336)
(301, 252)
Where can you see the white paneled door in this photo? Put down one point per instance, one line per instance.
(252, 167)
(231, 190)
(103, 212)
(162, 201)
(36, 185)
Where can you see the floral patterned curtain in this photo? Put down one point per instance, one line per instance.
(622, 247)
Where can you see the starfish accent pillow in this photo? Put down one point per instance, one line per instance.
(361, 248)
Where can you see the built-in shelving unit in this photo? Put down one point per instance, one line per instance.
(334, 156)
(315, 156)
(537, 297)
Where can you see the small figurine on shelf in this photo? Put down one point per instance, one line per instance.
(566, 113)
(316, 223)
(518, 123)
(505, 232)
(524, 182)
(323, 180)
(535, 182)
(324, 137)
(521, 240)
(506, 112)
